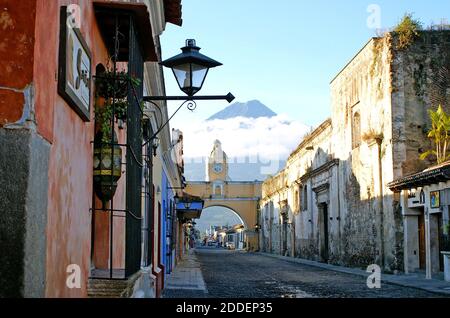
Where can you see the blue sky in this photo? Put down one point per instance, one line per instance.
(283, 52)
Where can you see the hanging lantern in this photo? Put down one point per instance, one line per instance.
(107, 168)
(190, 67)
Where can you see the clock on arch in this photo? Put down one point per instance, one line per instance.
(218, 168)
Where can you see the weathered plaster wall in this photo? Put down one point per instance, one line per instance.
(70, 173)
(363, 87)
(23, 157)
(302, 237)
(17, 38)
(421, 80)
(387, 92)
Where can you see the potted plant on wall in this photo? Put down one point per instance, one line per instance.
(114, 88)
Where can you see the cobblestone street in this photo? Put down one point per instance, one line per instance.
(233, 274)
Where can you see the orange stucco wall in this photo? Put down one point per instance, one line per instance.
(70, 173)
(101, 253)
(29, 53)
(17, 23)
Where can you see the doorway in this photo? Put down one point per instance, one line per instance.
(324, 233)
(284, 237)
(421, 231)
(441, 241)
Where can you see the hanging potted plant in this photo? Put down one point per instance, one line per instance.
(114, 88)
(109, 85)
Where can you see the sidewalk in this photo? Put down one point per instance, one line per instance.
(186, 281)
(415, 280)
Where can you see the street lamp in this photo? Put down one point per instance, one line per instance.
(190, 68)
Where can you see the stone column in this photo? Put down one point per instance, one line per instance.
(411, 236)
(24, 158)
(427, 241)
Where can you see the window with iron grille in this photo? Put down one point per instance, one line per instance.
(121, 37)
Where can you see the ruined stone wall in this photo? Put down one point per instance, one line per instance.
(420, 81)
(270, 225)
(312, 156)
(302, 215)
(361, 112)
(378, 130)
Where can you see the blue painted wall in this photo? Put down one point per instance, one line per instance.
(166, 224)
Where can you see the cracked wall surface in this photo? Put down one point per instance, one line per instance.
(378, 128)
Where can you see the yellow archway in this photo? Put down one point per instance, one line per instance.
(225, 210)
(240, 197)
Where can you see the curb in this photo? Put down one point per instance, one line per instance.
(360, 272)
(188, 263)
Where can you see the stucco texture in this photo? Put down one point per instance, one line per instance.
(71, 153)
(17, 26)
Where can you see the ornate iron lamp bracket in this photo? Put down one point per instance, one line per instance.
(190, 101)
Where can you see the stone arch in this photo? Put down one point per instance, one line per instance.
(225, 206)
(240, 197)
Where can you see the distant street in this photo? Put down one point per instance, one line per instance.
(234, 274)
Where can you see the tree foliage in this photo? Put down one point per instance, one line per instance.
(440, 135)
(407, 30)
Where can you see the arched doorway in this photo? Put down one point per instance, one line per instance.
(222, 227)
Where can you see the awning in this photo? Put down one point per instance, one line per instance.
(433, 175)
(106, 18)
(189, 207)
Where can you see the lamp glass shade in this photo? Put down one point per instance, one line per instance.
(107, 165)
(190, 77)
(190, 68)
(198, 75)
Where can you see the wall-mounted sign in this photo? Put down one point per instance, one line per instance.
(74, 80)
(416, 198)
(435, 199)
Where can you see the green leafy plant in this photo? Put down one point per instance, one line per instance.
(111, 85)
(407, 30)
(439, 134)
(447, 229)
(114, 88)
(103, 116)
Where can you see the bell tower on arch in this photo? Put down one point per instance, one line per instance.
(217, 164)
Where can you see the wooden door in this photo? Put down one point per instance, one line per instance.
(421, 229)
(324, 234)
(441, 241)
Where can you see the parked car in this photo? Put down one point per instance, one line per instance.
(230, 246)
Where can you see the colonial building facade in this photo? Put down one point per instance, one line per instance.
(68, 234)
(332, 203)
(425, 201)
